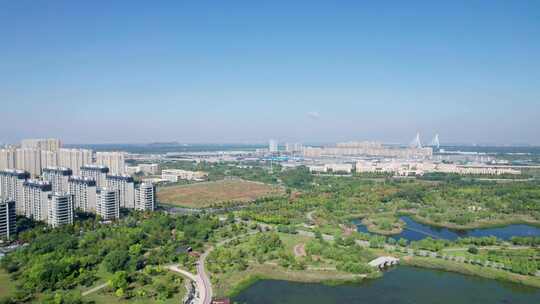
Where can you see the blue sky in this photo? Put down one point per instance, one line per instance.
(246, 71)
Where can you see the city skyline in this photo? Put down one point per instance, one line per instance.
(239, 72)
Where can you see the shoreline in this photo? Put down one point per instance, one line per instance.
(416, 262)
(473, 226)
(373, 228)
(449, 226)
(242, 280)
(472, 270)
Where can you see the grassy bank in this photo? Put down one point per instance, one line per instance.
(7, 286)
(229, 285)
(376, 225)
(473, 270)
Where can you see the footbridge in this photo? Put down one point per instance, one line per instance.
(384, 261)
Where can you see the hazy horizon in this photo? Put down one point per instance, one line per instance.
(244, 71)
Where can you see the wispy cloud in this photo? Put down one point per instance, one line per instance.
(313, 115)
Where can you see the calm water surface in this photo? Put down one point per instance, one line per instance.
(415, 231)
(401, 285)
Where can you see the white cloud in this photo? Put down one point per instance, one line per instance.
(313, 115)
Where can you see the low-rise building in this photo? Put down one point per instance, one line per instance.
(338, 168)
(151, 169)
(131, 170)
(175, 175)
(317, 169)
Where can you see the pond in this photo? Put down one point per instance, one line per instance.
(401, 285)
(415, 231)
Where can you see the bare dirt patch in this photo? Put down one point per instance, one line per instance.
(214, 193)
(299, 250)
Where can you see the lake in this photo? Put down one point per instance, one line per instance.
(400, 285)
(415, 231)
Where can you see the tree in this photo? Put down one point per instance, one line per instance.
(119, 280)
(116, 260)
(473, 250)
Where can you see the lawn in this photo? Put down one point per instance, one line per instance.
(103, 297)
(208, 194)
(7, 287)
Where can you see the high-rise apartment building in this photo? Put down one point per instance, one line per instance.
(7, 219)
(46, 144)
(115, 161)
(145, 197)
(11, 187)
(97, 173)
(272, 146)
(36, 196)
(74, 159)
(60, 209)
(49, 159)
(126, 187)
(83, 191)
(28, 160)
(58, 177)
(107, 204)
(7, 158)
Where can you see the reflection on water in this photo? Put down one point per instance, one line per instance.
(400, 285)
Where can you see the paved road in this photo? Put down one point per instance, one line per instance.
(94, 289)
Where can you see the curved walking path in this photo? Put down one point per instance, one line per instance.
(195, 278)
(94, 289)
(309, 215)
(202, 279)
(207, 292)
